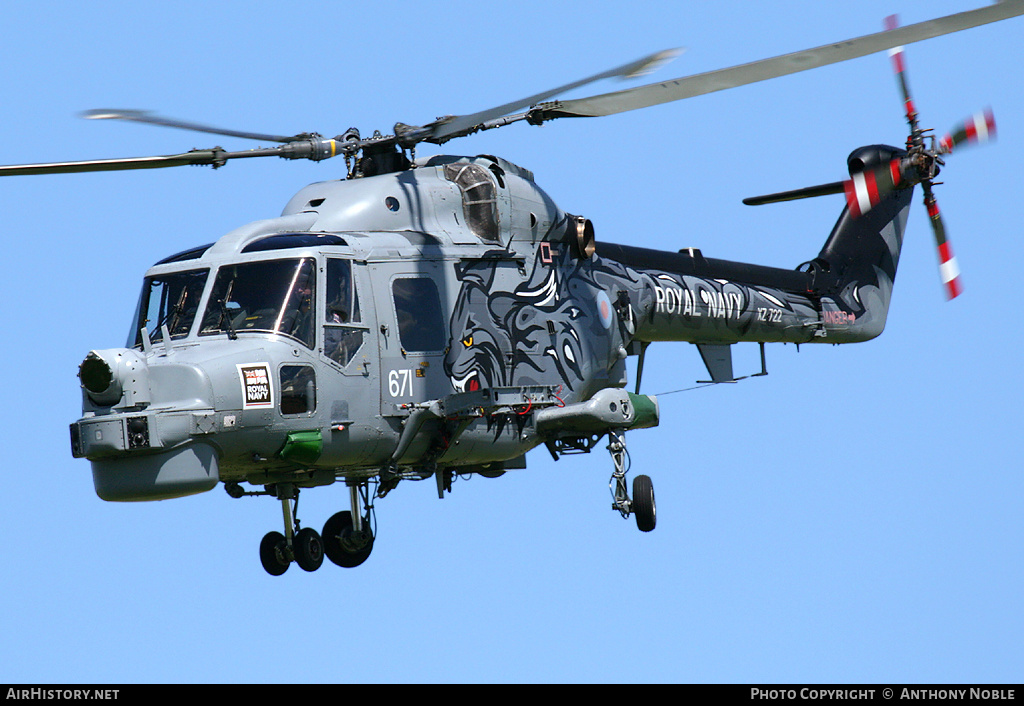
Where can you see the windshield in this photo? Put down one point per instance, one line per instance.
(274, 297)
(171, 300)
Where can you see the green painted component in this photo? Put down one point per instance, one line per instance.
(645, 408)
(303, 447)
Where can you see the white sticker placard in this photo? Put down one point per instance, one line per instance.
(257, 390)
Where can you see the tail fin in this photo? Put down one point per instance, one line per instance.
(855, 270)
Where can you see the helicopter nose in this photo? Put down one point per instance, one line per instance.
(144, 427)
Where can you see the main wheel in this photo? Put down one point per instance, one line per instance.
(643, 503)
(274, 553)
(342, 544)
(309, 549)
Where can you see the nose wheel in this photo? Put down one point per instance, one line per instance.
(274, 553)
(309, 549)
(303, 545)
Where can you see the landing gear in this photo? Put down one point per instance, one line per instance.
(642, 504)
(309, 549)
(345, 545)
(274, 554)
(301, 545)
(348, 538)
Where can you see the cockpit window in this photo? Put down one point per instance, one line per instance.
(479, 198)
(170, 300)
(274, 297)
(342, 339)
(342, 298)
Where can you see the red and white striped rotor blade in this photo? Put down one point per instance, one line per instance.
(899, 66)
(980, 127)
(866, 189)
(949, 270)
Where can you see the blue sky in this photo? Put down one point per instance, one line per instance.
(854, 516)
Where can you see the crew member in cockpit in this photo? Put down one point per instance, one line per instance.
(340, 343)
(301, 312)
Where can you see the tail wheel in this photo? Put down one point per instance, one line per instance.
(342, 544)
(643, 503)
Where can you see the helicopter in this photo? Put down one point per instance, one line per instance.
(429, 317)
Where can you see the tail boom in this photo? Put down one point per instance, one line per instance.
(841, 296)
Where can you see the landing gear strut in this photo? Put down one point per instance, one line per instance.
(642, 503)
(301, 545)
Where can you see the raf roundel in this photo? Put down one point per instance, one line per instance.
(604, 309)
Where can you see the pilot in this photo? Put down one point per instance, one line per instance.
(301, 316)
(337, 311)
(340, 343)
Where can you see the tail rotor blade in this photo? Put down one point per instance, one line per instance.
(899, 66)
(866, 189)
(948, 267)
(980, 127)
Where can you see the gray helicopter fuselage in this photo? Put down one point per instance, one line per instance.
(449, 315)
(444, 317)
(401, 237)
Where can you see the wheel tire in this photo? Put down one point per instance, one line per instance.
(309, 549)
(643, 503)
(337, 541)
(274, 553)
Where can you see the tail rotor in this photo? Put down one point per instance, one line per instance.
(925, 161)
(920, 164)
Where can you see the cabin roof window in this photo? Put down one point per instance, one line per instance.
(479, 198)
(190, 254)
(283, 241)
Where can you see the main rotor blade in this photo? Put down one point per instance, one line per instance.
(635, 68)
(107, 165)
(144, 116)
(314, 148)
(699, 84)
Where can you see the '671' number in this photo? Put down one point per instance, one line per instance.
(400, 383)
